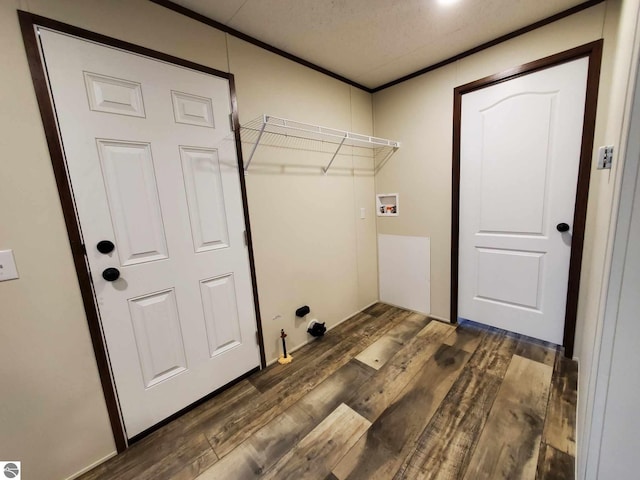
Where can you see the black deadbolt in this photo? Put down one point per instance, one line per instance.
(105, 246)
(111, 274)
(562, 227)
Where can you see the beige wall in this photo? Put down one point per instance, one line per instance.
(620, 32)
(419, 114)
(311, 247)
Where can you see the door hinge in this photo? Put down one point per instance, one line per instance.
(246, 239)
(605, 157)
(257, 338)
(231, 122)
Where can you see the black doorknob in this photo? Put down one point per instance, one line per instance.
(105, 246)
(562, 227)
(111, 274)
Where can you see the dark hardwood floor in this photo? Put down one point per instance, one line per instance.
(388, 394)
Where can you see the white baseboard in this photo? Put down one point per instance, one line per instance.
(298, 347)
(440, 319)
(92, 466)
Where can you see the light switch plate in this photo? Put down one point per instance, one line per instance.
(8, 270)
(362, 212)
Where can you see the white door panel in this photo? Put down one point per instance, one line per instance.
(152, 162)
(114, 95)
(158, 336)
(192, 109)
(203, 184)
(509, 276)
(517, 151)
(220, 313)
(519, 158)
(132, 196)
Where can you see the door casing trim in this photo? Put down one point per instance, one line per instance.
(28, 24)
(593, 51)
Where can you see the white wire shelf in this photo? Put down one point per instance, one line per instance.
(299, 130)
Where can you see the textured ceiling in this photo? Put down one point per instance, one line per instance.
(373, 42)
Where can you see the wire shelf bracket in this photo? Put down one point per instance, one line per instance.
(293, 128)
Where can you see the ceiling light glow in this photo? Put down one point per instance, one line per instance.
(447, 2)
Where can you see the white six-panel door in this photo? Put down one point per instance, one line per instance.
(152, 163)
(519, 158)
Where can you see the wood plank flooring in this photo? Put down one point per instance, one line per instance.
(388, 394)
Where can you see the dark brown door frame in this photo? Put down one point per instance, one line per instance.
(593, 51)
(28, 24)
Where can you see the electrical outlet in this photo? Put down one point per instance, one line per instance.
(605, 157)
(8, 270)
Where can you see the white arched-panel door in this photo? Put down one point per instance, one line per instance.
(519, 159)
